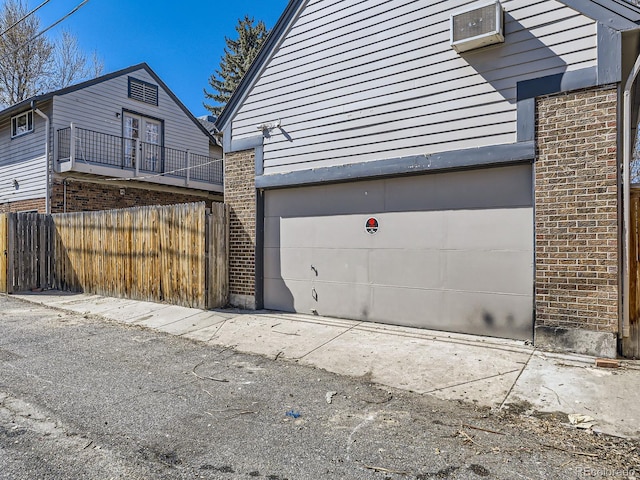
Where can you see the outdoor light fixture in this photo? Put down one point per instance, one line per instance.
(16, 185)
(265, 127)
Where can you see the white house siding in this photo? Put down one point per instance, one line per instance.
(96, 108)
(22, 159)
(376, 79)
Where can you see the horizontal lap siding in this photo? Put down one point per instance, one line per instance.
(95, 108)
(22, 159)
(354, 83)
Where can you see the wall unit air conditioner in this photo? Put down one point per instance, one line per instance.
(477, 26)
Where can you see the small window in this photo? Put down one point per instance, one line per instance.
(143, 91)
(21, 124)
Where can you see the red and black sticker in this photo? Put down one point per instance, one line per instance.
(372, 225)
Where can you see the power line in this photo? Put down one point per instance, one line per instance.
(57, 22)
(78, 7)
(25, 17)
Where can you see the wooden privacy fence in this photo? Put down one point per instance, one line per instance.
(175, 254)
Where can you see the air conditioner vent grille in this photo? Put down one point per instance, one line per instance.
(477, 26)
(476, 22)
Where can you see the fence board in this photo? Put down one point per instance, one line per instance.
(217, 251)
(631, 344)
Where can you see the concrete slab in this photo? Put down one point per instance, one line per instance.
(129, 313)
(97, 306)
(165, 316)
(271, 335)
(487, 392)
(572, 384)
(56, 298)
(472, 372)
(193, 323)
(461, 338)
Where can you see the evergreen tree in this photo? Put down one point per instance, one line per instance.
(238, 56)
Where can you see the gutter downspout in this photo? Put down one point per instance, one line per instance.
(47, 200)
(626, 164)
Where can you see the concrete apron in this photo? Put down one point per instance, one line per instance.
(489, 372)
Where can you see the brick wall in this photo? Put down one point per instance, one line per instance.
(240, 196)
(86, 196)
(576, 202)
(24, 205)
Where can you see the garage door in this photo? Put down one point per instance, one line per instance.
(448, 251)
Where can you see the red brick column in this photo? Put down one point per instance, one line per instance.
(240, 196)
(576, 220)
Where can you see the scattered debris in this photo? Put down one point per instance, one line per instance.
(285, 333)
(574, 452)
(607, 363)
(467, 437)
(388, 396)
(293, 414)
(207, 378)
(466, 425)
(244, 412)
(329, 396)
(583, 422)
(278, 355)
(385, 470)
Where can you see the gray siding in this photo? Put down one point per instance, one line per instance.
(95, 108)
(370, 80)
(23, 159)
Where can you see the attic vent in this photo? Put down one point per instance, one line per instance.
(143, 91)
(477, 26)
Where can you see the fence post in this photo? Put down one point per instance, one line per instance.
(11, 242)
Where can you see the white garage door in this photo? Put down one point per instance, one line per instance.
(451, 251)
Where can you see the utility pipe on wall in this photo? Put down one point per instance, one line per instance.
(626, 166)
(47, 198)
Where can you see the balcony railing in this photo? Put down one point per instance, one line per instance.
(79, 145)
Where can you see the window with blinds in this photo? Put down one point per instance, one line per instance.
(143, 91)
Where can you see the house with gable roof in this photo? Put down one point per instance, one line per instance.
(459, 166)
(120, 140)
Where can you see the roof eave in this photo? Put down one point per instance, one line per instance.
(614, 14)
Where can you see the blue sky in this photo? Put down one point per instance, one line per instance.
(182, 41)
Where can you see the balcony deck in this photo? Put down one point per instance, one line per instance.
(87, 151)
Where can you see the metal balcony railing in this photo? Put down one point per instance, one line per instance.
(86, 146)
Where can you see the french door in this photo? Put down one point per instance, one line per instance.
(147, 133)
